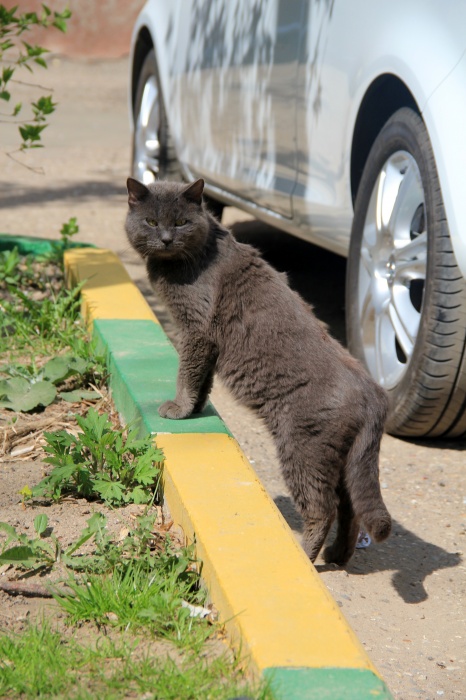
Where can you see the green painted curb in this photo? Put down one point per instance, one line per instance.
(28, 245)
(143, 365)
(325, 684)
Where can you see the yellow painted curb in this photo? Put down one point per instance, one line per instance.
(276, 606)
(108, 291)
(257, 574)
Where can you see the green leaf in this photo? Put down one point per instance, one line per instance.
(94, 524)
(19, 556)
(45, 547)
(60, 368)
(60, 24)
(40, 523)
(31, 133)
(139, 495)
(44, 105)
(110, 491)
(5, 95)
(60, 19)
(70, 228)
(26, 493)
(145, 472)
(33, 51)
(5, 527)
(61, 472)
(7, 73)
(17, 384)
(19, 395)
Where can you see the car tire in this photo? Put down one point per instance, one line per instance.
(405, 295)
(153, 154)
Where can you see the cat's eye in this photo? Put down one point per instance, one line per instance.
(151, 222)
(180, 222)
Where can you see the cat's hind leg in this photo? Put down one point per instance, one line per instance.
(341, 551)
(316, 527)
(311, 472)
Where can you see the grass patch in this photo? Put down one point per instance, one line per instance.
(40, 318)
(139, 589)
(37, 310)
(133, 596)
(41, 663)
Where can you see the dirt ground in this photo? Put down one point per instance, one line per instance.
(404, 598)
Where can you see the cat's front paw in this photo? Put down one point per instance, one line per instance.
(173, 410)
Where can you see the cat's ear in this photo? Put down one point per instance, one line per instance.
(194, 192)
(137, 192)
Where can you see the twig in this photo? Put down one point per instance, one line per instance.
(34, 85)
(18, 433)
(33, 590)
(38, 171)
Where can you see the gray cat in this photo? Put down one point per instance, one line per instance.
(238, 316)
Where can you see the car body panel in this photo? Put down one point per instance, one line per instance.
(262, 99)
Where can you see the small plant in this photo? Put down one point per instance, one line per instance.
(9, 262)
(69, 230)
(17, 54)
(37, 553)
(26, 495)
(29, 387)
(101, 463)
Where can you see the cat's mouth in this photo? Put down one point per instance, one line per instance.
(164, 251)
(156, 250)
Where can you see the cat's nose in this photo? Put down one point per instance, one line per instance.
(166, 238)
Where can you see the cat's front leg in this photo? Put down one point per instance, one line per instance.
(197, 364)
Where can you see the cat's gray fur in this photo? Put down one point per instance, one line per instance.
(239, 317)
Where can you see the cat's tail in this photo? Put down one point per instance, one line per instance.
(362, 474)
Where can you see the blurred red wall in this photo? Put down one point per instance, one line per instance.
(97, 28)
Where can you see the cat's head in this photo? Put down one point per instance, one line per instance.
(167, 220)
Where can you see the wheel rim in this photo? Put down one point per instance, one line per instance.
(392, 270)
(146, 163)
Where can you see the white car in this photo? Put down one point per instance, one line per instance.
(342, 122)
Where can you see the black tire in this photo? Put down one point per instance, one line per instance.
(163, 163)
(429, 397)
(166, 165)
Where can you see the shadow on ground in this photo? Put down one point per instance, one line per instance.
(411, 558)
(12, 196)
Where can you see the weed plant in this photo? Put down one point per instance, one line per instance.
(100, 462)
(40, 318)
(36, 308)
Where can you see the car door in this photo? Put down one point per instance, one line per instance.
(234, 95)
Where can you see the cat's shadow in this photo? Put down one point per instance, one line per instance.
(410, 557)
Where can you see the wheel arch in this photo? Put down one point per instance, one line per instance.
(142, 46)
(384, 97)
